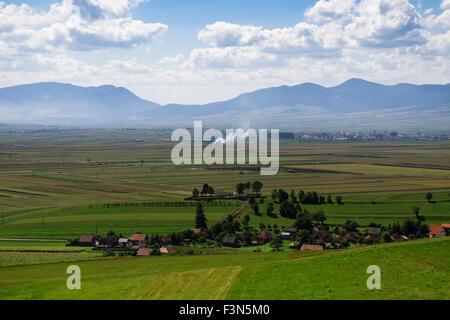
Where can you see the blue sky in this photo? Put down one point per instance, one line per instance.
(201, 51)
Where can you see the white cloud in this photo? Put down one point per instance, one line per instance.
(386, 23)
(329, 10)
(76, 25)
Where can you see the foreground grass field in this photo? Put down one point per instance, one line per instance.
(411, 270)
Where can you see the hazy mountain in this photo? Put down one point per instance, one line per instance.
(58, 103)
(355, 104)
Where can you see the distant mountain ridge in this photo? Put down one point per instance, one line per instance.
(352, 104)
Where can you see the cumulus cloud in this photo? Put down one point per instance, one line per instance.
(76, 25)
(386, 23)
(329, 10)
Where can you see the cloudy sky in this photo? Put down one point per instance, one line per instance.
(207, 50)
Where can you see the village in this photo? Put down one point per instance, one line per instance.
(307, 232)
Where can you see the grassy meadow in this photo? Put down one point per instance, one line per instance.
(412, 270)
(59, 185)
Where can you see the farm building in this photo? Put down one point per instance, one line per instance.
(144, 252)
(264, 237)
(311, 247)
(196, 231)
(230, 241)
(138, 240)
(122, 243)
(373, 232)
(320, 234)
(289, 233)
(167, 239)
(446, 227)
(88, 241)
(437, 231)
(396, 237)
(165, 250)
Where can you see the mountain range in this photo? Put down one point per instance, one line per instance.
(352, 105)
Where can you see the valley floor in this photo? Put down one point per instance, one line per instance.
(409, 270)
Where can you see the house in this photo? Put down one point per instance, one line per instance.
(437, 231)
(352, 236)
(230, 241)
(311, 247)
(446, 227)
(373, 233)
(165, 250)
(87, 241)
(138, 240)
(122, 243)
(167, 239)
(264, 237)
(320, 234)
(144, 252)
(396, 237)
(289, 233)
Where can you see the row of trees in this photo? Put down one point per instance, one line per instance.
(255, 186)
(304, 198)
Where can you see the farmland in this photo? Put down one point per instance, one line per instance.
(412, 270)
(55, 187)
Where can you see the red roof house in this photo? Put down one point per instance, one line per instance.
(144, 252)
(139, 239)
(311, 247)
(437, 231)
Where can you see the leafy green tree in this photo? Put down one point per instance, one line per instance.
(269, 209)
(205, 189)
(195, 192)
(255, 208)
(211, 190)
(304, 236)
(257, 186)
(240, 187)
(429, 196)
(288, 210)
(339, 200)
(200, 218)
(303, 221)
(351, 226)
(276, 243)
(274, 195)
(301, 196)
(282, 195)
(293, 196)
(319, 217)
(330, 200)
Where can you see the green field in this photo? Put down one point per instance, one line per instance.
(62, 185)
(411, 270)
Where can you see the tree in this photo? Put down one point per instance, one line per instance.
(330, 200)
(255, 208)
(211, 190)
(303, 222)
(276, 243)
(293, 197)
(205, 189)
(240, 187)
(288, 210)
(304, 236)
(351, 226)
(246, 221)
(301, 196)
(274, 195)
(200, 218)
(429, 196)
(251, 200)
(282, 195)
(319, 217)
(269, 209)
(195, 192)
(257, 186)
(339, 200)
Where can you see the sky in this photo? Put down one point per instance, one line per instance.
(192, 52)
